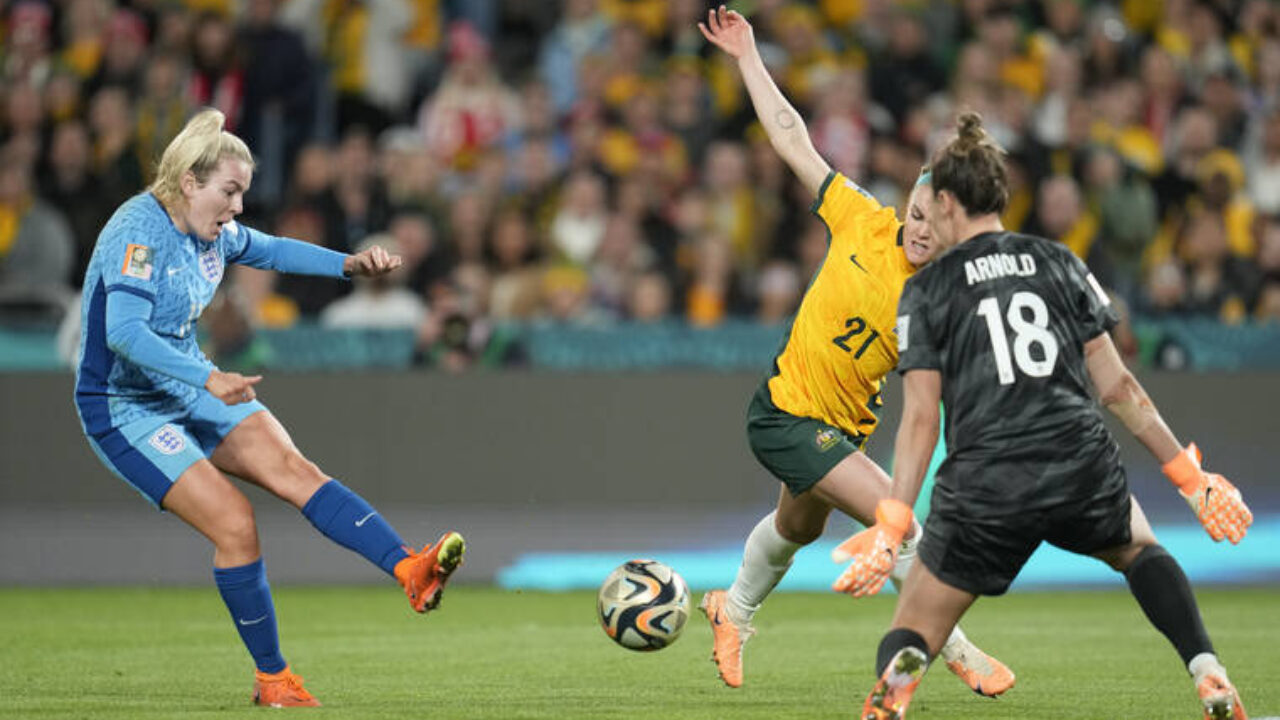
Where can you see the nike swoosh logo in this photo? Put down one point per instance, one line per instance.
(174, 271)
(363, 520)
(252, 622)
(854, 259)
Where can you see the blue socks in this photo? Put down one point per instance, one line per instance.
(345, 518)
(248, 596)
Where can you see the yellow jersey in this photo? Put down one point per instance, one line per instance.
(842, 342)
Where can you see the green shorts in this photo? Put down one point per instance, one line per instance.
(799, 451)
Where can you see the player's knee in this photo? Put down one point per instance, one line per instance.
(297, 466)
(1143, 553)
(237, 533)
(801, 531)
(1121, 559)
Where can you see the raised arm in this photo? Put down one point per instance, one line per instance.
(1215, 501)
(729, 31)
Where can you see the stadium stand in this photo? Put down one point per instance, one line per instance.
(593, 173)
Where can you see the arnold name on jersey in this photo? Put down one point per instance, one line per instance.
(998, 265)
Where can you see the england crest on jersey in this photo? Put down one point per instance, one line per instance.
(211, 265)
(168, 440)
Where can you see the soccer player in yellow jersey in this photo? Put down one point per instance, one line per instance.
(810, 418)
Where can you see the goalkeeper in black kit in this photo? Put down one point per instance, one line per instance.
(1009, 331)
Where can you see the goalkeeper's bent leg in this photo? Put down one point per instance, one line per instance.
(1162, 590)
(981, 672)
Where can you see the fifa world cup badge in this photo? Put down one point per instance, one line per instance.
(137, 262)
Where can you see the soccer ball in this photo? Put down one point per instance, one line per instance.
(643, 605)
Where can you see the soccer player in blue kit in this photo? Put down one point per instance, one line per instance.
(160, 415)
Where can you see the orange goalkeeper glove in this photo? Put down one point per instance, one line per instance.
(873, 551)
(1215, 501)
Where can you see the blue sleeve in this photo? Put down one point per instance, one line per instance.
(129, 335)
(260, 250)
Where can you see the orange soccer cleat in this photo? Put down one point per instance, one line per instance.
(423, 574)
(892, 693)
(1219, 698)
(728, 637)
(281, 690)
(983, 674)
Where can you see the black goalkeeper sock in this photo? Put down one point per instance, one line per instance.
(895, 640)
(1161, 588)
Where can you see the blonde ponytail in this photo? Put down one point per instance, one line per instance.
(198, 149)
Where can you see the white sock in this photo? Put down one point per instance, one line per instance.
(765, 559)
(906, 556)
(955, 645)
(1205, 663)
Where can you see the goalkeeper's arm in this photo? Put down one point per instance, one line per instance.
(1215, 501)
(1123, 395)
(917, 433)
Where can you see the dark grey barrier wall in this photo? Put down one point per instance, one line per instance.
(518, 462)
(413, 437)
(515, 438)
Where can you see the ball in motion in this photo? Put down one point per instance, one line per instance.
(643, 605)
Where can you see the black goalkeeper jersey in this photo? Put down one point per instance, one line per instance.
(1004, 317)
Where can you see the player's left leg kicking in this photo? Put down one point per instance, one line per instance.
(854, 485)
(260, 451)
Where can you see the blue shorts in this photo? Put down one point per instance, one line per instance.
(152, 452)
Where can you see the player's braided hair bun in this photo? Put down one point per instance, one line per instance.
(972, 167)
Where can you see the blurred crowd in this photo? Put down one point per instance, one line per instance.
(588, 162)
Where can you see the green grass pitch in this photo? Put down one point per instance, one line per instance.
(173, 653)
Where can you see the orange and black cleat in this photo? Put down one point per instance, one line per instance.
(423, 574)
(281, 690)
(892, 693)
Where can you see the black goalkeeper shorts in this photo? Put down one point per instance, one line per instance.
(980, 544)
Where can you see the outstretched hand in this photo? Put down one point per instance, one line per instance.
(1215, 501)
(370, 262)
(871, 554)
(729, 31)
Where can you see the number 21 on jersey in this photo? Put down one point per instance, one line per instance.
(1026, 333)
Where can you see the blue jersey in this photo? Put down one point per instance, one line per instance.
(141, 252)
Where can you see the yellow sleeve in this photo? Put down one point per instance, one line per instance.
(842, 204)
